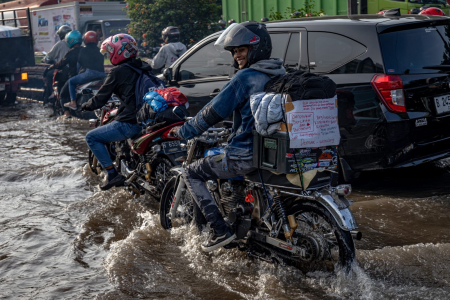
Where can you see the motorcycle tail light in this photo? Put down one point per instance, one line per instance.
(344, 189)
(390, 90)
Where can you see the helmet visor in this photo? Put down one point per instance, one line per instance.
(234, 36)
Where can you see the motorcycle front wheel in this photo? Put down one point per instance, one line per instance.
(187, 211)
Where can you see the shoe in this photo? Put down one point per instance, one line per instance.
(216, 241)
(118, 180)
(70, 106)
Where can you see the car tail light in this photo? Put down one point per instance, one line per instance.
(390, 89)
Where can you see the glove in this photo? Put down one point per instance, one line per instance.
(85, 107)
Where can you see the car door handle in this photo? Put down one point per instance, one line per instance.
(215, 93)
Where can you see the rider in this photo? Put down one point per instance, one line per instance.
(54, 55)
(433, 11)
(121, 80)
(251, 47)
(91, 65)
(172, 49)
(74, 40)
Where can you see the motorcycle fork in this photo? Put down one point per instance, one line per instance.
(176, 199)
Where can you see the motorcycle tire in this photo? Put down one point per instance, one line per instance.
(343, 239)
(160, 166)
(166, 204)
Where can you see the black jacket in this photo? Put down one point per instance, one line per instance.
(91, 58)
(121, 80)
(71, 59)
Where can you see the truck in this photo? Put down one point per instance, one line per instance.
(110, 17)
(246, 10)
(17, 41)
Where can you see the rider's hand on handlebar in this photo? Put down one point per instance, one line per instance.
(174, 131)
(86, 107)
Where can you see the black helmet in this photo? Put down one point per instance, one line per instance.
(424, 7)
(231, 21)
(222, 23)
(62, 31)
(248, 33)
(170, 34)
(415, 11)
(264, 19)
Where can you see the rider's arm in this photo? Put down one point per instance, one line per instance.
(105, 92)
(71, 55)
(218, 109)
(160, 59)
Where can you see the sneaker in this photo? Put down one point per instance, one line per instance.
(216, 241)
(118, 180)
(70, 106)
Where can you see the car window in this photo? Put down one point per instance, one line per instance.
(291, 62)
(205, 63)
(328, 51)
(279, 43)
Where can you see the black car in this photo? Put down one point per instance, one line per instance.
(392, 77)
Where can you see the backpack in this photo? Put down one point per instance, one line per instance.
(145, 83)
(302, 85)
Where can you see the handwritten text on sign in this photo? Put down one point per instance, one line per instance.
(313, 123)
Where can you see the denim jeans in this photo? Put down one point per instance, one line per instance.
(82, 78)
(114, 132)
(210, 167)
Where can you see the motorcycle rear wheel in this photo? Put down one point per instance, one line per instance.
(315, 222)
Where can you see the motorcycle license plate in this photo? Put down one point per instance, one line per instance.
(442, 104)
(172, 147)
(2, 86)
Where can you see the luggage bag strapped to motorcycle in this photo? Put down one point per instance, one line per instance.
(297, 132)
(156, 107)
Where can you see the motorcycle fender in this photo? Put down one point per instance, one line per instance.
(344, 217)
(177, 169)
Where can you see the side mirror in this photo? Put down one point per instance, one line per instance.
(167, 73)
(177, 111)
(43, 52)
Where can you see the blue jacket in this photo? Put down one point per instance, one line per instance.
(235, 97)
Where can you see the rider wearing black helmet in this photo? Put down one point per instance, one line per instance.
(222, 24)
(264, 19)
(172, 49)
(251, 48)
(231, 21)
(415, 11)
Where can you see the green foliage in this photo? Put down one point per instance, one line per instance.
(291, 13)
(193, 17)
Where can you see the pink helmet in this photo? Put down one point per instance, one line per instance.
(120, 47)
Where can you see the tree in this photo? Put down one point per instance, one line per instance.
(193, 17)
(291, 13)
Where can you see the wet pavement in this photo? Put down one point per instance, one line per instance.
(63, 238)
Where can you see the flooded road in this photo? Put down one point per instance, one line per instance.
(62, 238)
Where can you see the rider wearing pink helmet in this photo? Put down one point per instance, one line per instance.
(121, 80)
(120, 47)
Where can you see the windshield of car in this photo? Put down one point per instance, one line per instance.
(409, 51)
(115, 27)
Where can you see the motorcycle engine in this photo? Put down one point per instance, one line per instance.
(232, 194)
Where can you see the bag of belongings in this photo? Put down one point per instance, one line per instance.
(157, 107)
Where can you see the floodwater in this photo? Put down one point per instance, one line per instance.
(63, 238)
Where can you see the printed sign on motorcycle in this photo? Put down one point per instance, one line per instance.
(312, 123)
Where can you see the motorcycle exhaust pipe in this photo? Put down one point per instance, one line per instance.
(357, 235)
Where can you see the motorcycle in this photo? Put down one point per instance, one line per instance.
(84, 93)
(311, 228)
(145, 160)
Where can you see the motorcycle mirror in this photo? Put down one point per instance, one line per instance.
(177, 111)
(167, 72)
(86, 91)
(43, 52)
